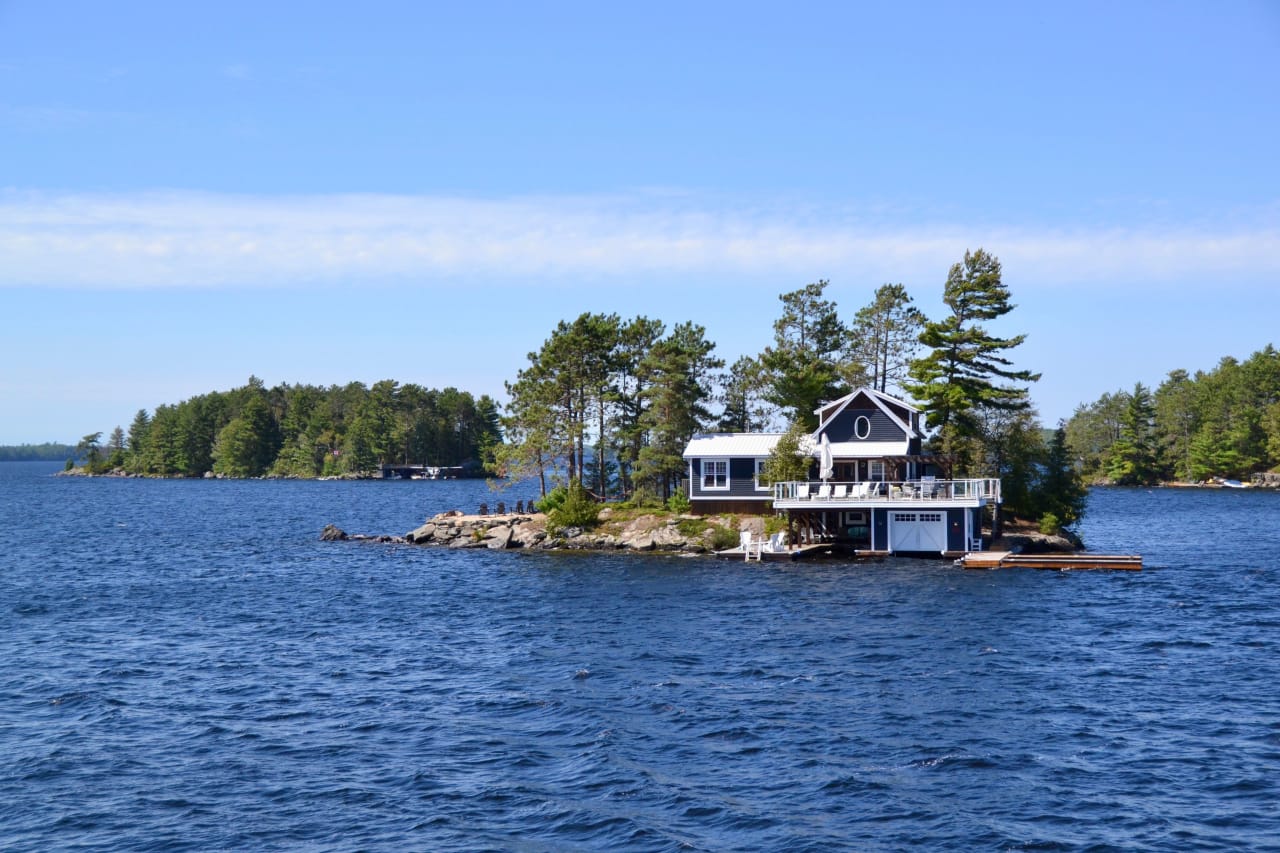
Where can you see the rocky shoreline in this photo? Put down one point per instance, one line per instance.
(644, 533)
(648, 532)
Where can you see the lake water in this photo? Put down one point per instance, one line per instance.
(184, 666)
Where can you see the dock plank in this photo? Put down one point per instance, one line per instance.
(1059, 562)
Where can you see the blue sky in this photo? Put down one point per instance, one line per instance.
(190, 194)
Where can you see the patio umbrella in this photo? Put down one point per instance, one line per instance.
(827, 465)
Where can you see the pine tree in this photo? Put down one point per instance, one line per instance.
(1060, 491)
(885, 338)
(742, 390)
(804, 362)
(680, 366)
(1132, 458)
(961, 374)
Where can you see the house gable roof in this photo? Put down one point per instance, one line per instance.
(827, 413)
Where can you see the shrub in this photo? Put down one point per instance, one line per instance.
(722, 538)
(679, 503)
(553, 499)
(690, 527)
(644, 498)
(1050, 525)
(577, 510)
(774, 524)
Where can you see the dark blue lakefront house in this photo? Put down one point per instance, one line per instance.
(870, 487)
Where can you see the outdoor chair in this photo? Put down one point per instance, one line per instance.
(927, 487)
(484, 509)
(839, 492)
(802, 492)
(824, 492)
(502, 508)
(519, 507)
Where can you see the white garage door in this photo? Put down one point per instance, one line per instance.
(918, 531)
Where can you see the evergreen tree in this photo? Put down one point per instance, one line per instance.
(743, 388)
(90, 450)
(1060, 492)
(961, 373)
(787, 461)
(803, 364)
(1011, 446)
(138, 431)
(115, 448)
(885, 338)
(1093, 429)
(246, 446)
(627, 398)
(1176, 422)
(680, 366)
(1132, 457)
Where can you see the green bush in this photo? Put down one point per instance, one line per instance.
(553, 499)
(1050, 525)
(679, 503)
(690, 527)
(774, 524)
(644, 498)
(577, 510)
(722, 538)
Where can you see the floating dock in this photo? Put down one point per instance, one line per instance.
(1059, 562)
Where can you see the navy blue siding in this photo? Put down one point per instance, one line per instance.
(841, 428)
(955, 530)
(880, 528)
(742, 482)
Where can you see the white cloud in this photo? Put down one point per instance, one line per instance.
(186, 239)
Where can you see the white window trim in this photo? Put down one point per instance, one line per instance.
(759, 486)
(857, 422)
(871, 470)
(703, 470)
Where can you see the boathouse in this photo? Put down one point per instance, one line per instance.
(870, 487)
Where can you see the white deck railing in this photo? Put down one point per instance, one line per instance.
(887, 491)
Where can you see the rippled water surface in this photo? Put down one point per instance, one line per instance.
(183, 665)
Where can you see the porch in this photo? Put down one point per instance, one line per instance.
(807, 495)
(924, 515)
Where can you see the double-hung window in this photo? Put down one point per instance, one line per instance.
(715, 474)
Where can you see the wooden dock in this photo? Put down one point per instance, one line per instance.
(1059, 562)
(799, 552)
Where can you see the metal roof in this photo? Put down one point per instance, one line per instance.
(737, 444)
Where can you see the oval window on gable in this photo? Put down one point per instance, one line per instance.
(862, 426)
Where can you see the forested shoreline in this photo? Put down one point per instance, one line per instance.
(300, 431)
(606, 406)
(1223, 423)
(50, 451)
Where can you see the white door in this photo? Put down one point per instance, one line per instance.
(918, 531)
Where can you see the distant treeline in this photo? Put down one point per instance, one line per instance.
(1223, 423)
(47, 452)
(301, 431)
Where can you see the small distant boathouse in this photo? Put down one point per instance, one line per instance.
(870, 486)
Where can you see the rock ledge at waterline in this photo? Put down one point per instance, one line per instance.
(647, 532)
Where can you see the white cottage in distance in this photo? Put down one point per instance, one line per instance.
(880, 493)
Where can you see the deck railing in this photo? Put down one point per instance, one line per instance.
(888, 491)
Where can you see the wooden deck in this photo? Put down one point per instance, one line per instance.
(1060, 562)
(799, 552)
